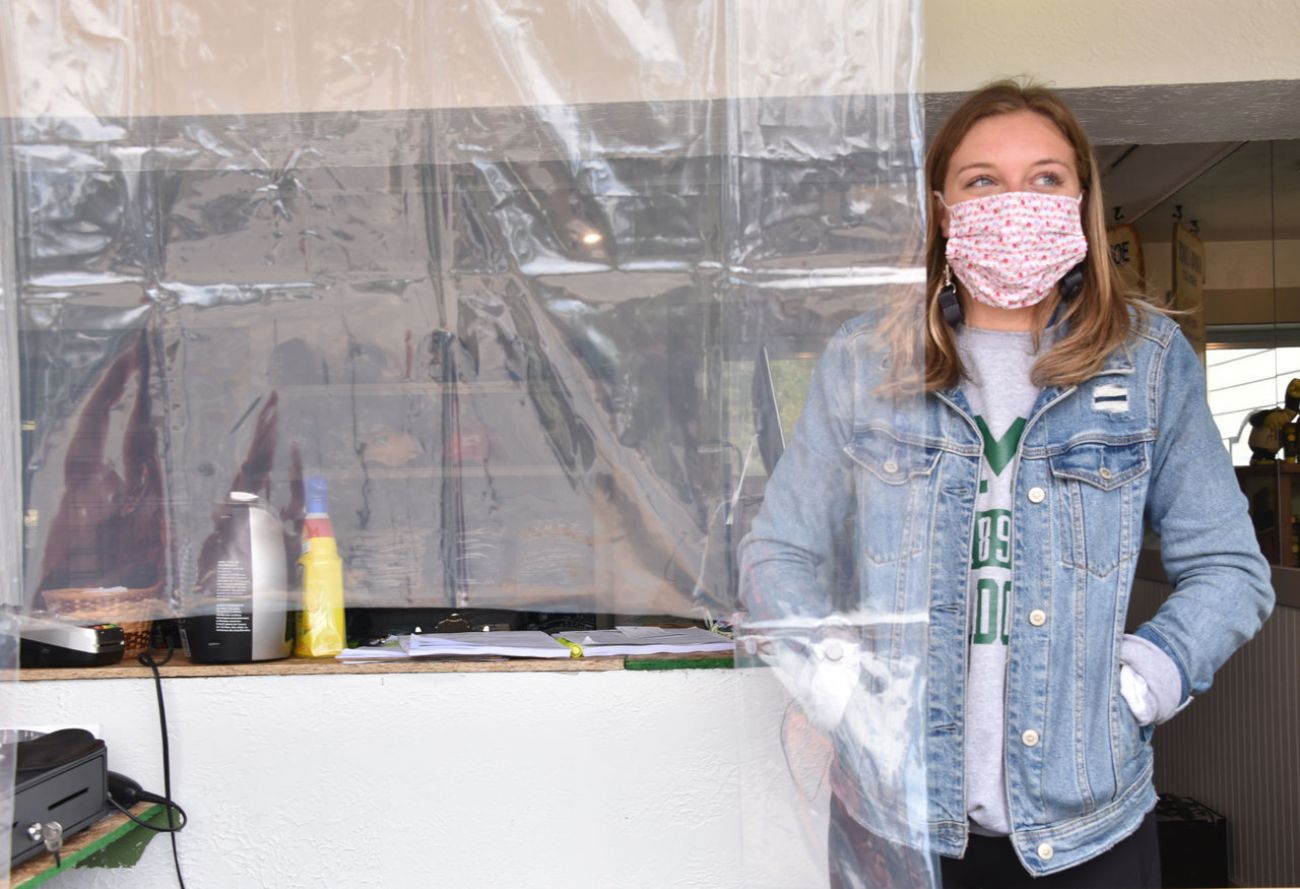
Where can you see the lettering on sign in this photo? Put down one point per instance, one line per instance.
(1126, 255)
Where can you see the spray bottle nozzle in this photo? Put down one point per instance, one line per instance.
(317, 494)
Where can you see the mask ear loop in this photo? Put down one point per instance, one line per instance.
(949, 302)
(1072, 282)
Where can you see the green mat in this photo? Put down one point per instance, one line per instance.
(722, 662)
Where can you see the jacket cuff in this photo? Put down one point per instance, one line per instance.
(1152, 635)
(1159, 672)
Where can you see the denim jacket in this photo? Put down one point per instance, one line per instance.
(868, 520)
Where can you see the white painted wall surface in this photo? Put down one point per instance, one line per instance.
(474, 780)
(1083, 43)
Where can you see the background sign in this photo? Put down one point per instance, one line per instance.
(1126, 254)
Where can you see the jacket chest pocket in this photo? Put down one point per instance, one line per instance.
(891, 479)
(1102, 487)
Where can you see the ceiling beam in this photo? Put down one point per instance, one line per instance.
(1249, 111)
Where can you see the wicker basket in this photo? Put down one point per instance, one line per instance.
(131, 609)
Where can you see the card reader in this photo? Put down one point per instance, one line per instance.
(53, 643)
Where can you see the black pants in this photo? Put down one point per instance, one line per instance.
(861, 860)
(990, 863)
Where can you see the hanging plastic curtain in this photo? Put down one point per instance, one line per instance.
(821, 237)
(464, 261)
(499, 272)
(539, 290)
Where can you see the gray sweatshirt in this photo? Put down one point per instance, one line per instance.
(1002, 397)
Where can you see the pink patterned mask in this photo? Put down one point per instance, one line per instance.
(1011, 249)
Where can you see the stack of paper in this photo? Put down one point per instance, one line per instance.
(511, 643)
(386, 650)
(502, 643)
(646, 640)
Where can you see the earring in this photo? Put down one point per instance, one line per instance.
(949, 302)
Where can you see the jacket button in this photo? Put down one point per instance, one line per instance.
(1045, 851)
(890, 466)
(1029, 738)
(1037, 494)
(1104, 472)
(1038, 617)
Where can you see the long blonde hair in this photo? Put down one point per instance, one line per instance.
(1098, 316)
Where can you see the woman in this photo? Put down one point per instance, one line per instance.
(1004, 502)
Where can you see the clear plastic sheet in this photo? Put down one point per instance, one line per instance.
(504, 333)
(504, 272)
(10, 575)
(496, 331)
(833, 647)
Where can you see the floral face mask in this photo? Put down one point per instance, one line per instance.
(1011, 249)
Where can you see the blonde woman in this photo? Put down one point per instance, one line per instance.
(1053, 416)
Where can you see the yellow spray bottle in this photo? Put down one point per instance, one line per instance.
(320, 623)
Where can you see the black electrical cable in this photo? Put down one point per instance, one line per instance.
(146, 658)
(151, 798)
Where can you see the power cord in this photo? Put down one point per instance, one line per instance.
(146, 658)
(123, 794)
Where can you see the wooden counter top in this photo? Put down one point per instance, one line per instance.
(181, 667)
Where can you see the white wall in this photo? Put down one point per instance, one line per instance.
(1082, 43)
(477, 780)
